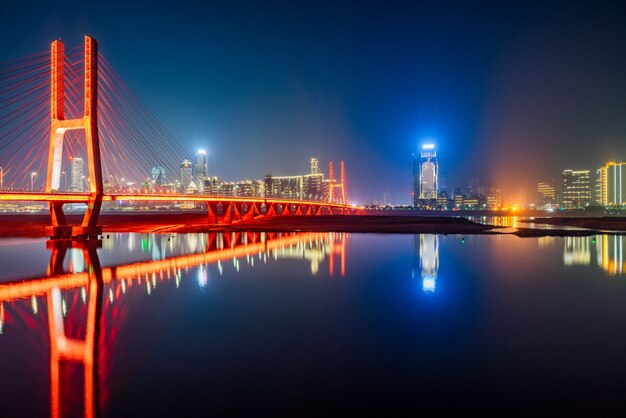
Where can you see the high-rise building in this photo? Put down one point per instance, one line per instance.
(597, 190)
(77, 174)
(493, 194)
(576, 189)
(186, 175)
(613, 184)
(158, 176)
(315, 166)
(546, 193)
(201, 168)
(425, 175)
(284, 187)
(307, 186)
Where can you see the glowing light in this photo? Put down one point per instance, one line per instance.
(428, 284)
(201, 152)
(428, 146)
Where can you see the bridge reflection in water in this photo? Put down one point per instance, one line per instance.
(95, 283)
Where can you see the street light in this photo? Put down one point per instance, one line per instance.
(32, 180)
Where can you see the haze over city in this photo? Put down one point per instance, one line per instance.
(511, 94)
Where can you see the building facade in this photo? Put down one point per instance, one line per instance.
(158, 176)
(186, 176)
(425, 176)
(613, 184)
(546, 193)
(77, 175)
(201, 169)
(576, 189)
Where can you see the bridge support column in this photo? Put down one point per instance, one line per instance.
(59, 125)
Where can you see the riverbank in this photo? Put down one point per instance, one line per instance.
(605, 223)
(27, 225)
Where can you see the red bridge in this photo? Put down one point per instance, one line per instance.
(108, 121)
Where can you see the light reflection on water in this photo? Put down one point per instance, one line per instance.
(93, 317)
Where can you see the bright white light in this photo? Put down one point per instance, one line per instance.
(428, 146)
(429, 284)
(201, 152)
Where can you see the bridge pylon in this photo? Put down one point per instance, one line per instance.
(59, 125)
(333, 184)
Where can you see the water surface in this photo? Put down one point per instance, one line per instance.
(313, 325)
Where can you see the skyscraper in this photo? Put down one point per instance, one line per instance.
(158, 176)
(546, 193)
(201, 168)
(613, 183)
(186, 175)
(77, 174)
(425, 175)
(315, 166)
(576, 189)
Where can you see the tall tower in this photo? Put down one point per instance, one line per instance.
(186, 175)
(59, 125)
(315, 166)
(77, 174)
(333, 184)
(201, 169)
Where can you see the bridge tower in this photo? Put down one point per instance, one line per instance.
(332, 184)
(59, 125)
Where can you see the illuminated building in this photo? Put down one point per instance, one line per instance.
(186, 175)
(425, 175)
(313, 184)
(158, 176)
(307, 186)
(201, 168)
(494, 197)
(284, 187)
(576, 189)
(597, 193)
(613, 184)
(546, 193)
(315, 166)
(77, 174)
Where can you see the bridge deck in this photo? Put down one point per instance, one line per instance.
(84, 198)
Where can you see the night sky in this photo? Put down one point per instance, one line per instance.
(510, 93)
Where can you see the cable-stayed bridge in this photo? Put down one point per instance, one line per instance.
(61, 105)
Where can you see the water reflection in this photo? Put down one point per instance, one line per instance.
(577, 250)
(74, 300)
(426, 260)
(609, 252)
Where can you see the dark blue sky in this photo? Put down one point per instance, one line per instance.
(511, 92)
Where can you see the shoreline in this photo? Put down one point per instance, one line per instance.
(33, 225)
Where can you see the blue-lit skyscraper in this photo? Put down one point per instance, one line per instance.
(425, 176)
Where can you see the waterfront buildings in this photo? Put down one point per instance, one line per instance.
(576, 189)
(310, 186)
(612, 184)
(546, 194)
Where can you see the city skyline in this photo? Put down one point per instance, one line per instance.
(459, 84)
